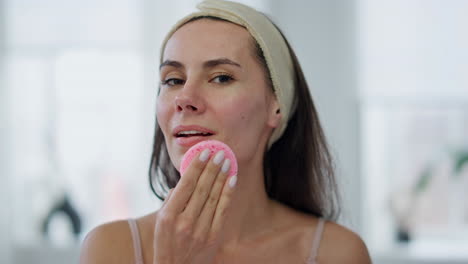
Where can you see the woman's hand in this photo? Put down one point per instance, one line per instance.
(189, 226)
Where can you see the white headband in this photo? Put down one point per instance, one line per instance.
(271, 42)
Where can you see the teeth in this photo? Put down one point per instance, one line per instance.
(192, 132)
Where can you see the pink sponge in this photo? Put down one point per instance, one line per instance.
(214, 146)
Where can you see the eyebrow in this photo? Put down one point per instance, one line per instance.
(206, 64)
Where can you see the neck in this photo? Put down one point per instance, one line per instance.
(251, 209)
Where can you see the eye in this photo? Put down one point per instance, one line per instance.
(173, 81)
(223, 78)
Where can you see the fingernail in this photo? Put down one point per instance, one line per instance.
(219, 157)
(233, 181)
(204, 155)
(226, 165)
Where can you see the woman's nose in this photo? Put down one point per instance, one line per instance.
(189, 101)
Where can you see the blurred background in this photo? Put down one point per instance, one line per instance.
(78, 84)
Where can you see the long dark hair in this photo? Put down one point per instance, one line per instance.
(298, 167)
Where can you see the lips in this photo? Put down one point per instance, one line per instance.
(192, 130)
(190, 135)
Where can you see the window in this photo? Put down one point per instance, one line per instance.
(76, 84)
(415, 121)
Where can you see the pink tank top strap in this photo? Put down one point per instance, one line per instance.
(316, 242)
(136, 241)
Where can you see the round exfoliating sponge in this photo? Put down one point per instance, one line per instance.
(214, 146)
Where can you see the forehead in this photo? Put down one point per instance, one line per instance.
(210, 39)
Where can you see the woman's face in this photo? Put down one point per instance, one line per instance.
(213, 88)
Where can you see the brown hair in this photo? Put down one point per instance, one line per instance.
(298, 168)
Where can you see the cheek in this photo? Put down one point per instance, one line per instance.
(162, 113)
(245, 114)
(159, 111)
(244, 126)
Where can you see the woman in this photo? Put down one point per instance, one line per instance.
(228, 74)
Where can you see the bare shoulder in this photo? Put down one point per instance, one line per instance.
(341, 245)
(107, 243)
(113, 243)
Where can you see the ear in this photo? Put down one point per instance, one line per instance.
(274, 115)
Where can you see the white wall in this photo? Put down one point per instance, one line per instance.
(323, 35)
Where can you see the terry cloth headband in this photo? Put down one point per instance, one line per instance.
(271, 42)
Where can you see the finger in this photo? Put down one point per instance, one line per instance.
(206, 217)
(223, 205)
(185, 187)
(204, 186)
(167, 197)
